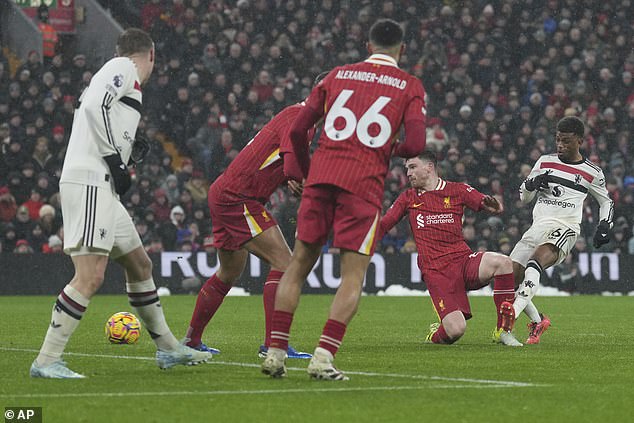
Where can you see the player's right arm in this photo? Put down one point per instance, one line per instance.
(415, 123)
(393, 215)
(527, 195)
(101, 94)
(307, 118)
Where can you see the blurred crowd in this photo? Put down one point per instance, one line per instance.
(498, 74)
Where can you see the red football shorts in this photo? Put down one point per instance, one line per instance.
(233, 224)
(353, 220)
(448, 287)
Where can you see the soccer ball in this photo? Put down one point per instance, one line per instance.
(123, 328)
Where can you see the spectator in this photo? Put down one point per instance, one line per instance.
(54, 245)
(8, 206)
(22, 247)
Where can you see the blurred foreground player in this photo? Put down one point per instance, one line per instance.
(364, 106)
(560, 182)
(96, 224)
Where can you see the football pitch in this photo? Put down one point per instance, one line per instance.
(583, 371)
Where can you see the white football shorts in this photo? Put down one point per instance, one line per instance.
(554, 233)
(95, 222)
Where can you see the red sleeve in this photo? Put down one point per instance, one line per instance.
(291, 166)
(472, 197)
(415, 140)
(393, 215)
(299, 135)
(415, 122)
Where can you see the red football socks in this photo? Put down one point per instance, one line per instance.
(503, 290)
(209, 299)
(281, 329)
(441, 337)
(268, 297)
(332, 336)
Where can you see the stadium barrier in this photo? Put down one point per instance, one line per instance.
(46, 274)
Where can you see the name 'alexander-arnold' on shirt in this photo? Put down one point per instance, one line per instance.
(372, 77)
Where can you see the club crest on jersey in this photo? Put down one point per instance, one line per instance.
(447, 202)
(441, 304)
(577, 179)
(118, 80)
(266, 216)
(420, 221)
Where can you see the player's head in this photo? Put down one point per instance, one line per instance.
(569, 137)
(386, 36)
(137, 45)
(421, 170)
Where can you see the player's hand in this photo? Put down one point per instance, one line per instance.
(140, 149)
(119, 172)
(492, 205)
(539, 182)
(602, 235)
(296, 187)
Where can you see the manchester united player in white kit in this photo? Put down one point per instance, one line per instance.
(96, 224)
(560, 182)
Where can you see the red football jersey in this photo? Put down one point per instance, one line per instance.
(258, 170)
(364, 105)
(436, 220)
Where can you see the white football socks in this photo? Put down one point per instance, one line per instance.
(532, 312)
(67, 312)
(145, 301)
(528, 288)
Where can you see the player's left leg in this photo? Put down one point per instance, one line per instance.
(145, 301)
(500, 268)
(344, 307)
(271, 247)
(545, 255)
(304, 257)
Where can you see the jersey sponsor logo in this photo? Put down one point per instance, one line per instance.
(118, 80)
(556, 203)
(558, 190)
(438, 219)
(447, 202)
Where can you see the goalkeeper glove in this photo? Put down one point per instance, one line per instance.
(539, 182)
(602, 235)
(140, 149)
(119, 172)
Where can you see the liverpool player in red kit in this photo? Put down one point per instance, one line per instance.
(364, 106)
(241, 225)
(449, 267)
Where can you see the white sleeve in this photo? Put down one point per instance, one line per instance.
(600, 193)
(114, 81)
(525, 195)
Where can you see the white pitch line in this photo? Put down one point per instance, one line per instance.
(249, 392)
(253, 365)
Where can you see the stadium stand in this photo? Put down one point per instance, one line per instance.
(498, 74)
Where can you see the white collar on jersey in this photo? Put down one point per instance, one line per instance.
(382, 59)
(439, 186)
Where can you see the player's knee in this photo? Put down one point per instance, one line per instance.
(455, 328)
(504, 264)
(228, 275)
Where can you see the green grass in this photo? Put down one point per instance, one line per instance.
(583, 371)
